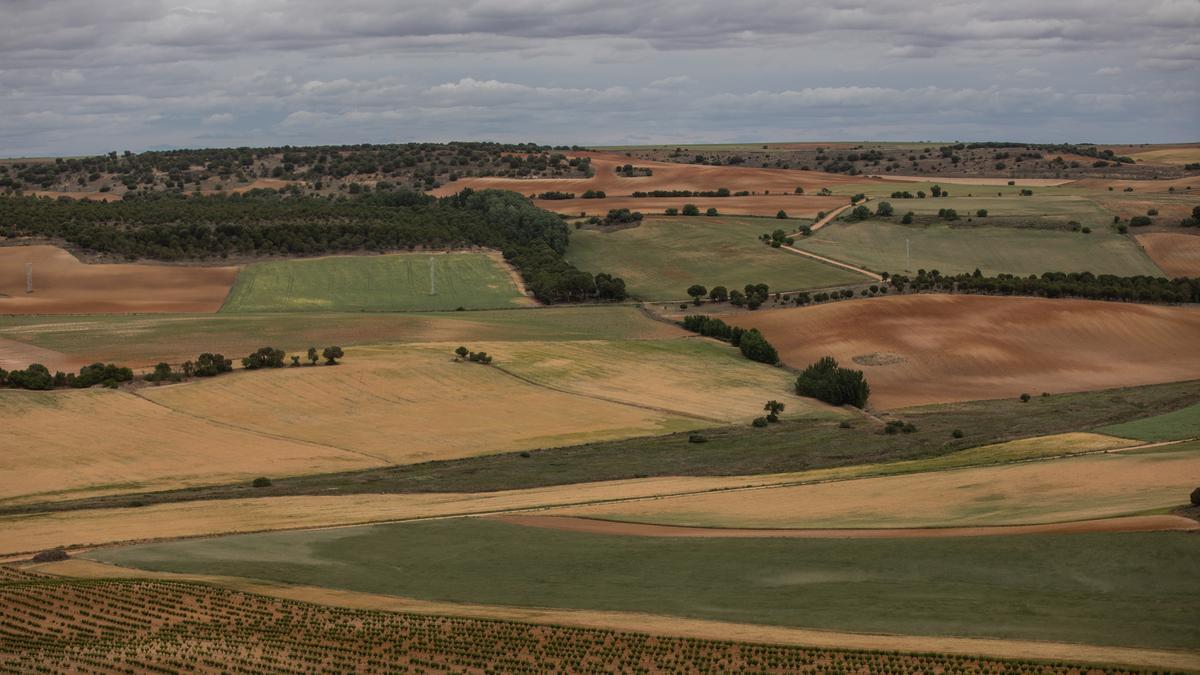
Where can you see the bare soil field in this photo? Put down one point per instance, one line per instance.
(1177, 254)
(1030, 493)
(64, 285)
(627, 529)
(781, 183)
(14, 355)
(958, 348)
(961, 180)
(67, 444)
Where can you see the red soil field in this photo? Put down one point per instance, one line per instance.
(64, 285)
(1177, 254)
(944, 348)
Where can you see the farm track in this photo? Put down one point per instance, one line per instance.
(831, 261)
(655, 624)
(633, 529)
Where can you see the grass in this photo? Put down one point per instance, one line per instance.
(662, 257)
(399, 282)
(1132, 589)
(1178, 424)
(792, 445)
(881, 246)
(148, 339)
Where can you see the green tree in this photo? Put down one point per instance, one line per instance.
(711, 211)
(313, 356)
(773, 409)
(782, 215)
(332, 354)
(718, 294)
(884, 209)
(697, 291)
(825, 380)
(462, 352)
(691, 210)
(756, 348)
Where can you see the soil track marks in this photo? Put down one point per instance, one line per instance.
(1177, 254)
(961, 348)
(64, 285)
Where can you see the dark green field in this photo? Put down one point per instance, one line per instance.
(1131, 589)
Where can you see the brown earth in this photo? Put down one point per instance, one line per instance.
(960, 348)
(1177, 254)
(14, 355)
(64, 285)
(998, 180)
(612, 527)
(781, 183)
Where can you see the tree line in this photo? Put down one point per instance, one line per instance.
(166, 226)
(1085, 285)
(750, 342)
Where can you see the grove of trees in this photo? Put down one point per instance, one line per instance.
(826, 381)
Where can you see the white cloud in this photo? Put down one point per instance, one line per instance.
(218, 118)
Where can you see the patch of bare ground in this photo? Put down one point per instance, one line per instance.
(674, 627)
(961, 348)
(1176, 253)
(64, 285)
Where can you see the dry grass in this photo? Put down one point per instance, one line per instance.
(960, 348)
(1079, 488)
(64, 285)
(69, 444)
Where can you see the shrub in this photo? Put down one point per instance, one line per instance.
(759, 422)
(1152, 212)
(1196, 497)
(844, 424)
(957, 433)
(1140, 221)
(697, 438)
(756, 348)
(782, 215)
(1025, 398)
(981, 213)
(899, 426)
(907, 219)
(691, 210)
(825, 380)
(261, 482)
(711, 211)
(51, 555)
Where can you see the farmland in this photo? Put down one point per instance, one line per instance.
(1178, 424)
(376, 283)
(864, 586)
(65, 285)
(660, 258)
(888, 247)
(173, 624)
(955, 348)
(1177, 254)
(1014, 494)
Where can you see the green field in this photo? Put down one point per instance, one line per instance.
(148, 339)
(880, 246)
(660, 258)
(399, 282)
(1171, 426)
(1133, 589)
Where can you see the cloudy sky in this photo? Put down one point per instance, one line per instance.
(79, 76)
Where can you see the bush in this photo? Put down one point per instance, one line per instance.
(844, 424)
(697, 438)
(899, 426)
(756, 348)
(261, 482)
(711, 211)
(1196, 497)
(781, 215)
(981, 213)
(51, 555)
(759, 422)
(1025, 398)
(691, 210)
(1140, 221)
(826, 381)
(957, 433)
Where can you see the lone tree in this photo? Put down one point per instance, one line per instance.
(697, 291)
(462, 352)
(1196, 497)
(332, 354)
(782, 215)
(313, 355)
(773, 409)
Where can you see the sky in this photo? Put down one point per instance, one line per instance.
(85, 77)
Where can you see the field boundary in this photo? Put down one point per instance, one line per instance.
(656, 624)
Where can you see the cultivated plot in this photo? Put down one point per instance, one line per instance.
(919, 349)
(1178, 255)
(1050, 491)
(68, 444)
(662, 257)
(64, 285)
(409, 281)
(900, 249)
(1034, 587)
